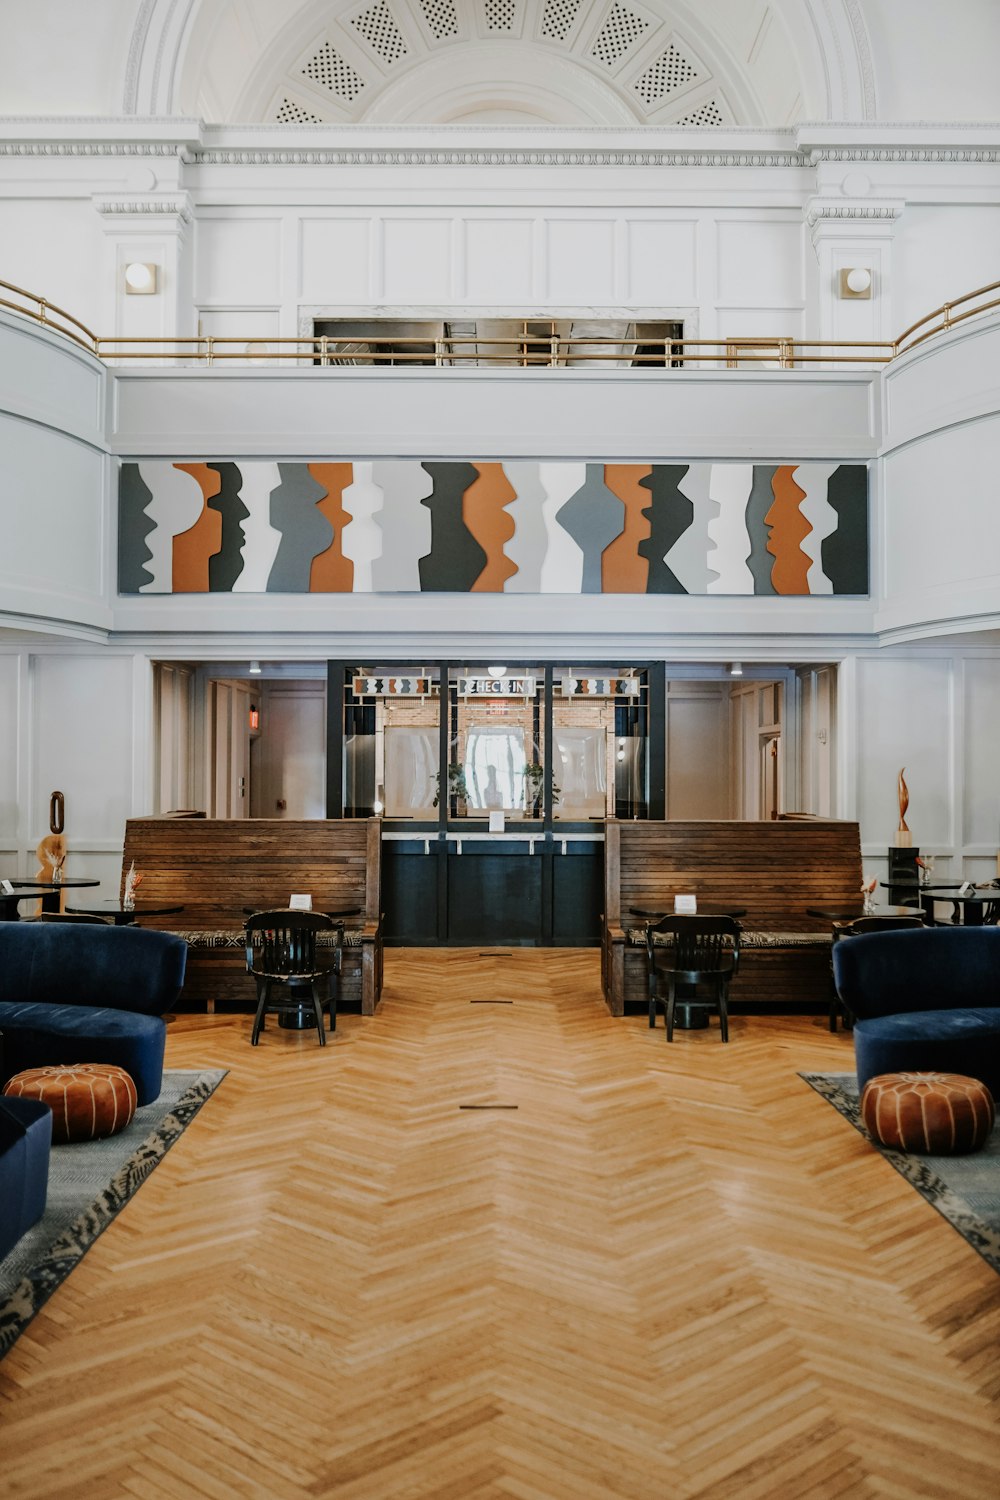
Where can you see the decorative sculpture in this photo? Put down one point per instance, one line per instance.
(904, 838)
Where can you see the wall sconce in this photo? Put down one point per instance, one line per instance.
(856, 282)
(255, 668)
(140, 279)
(736, 669)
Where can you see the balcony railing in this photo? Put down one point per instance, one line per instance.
(558, 352)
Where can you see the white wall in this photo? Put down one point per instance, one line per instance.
(76, 720)
(935, 712)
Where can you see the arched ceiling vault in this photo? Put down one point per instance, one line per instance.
(535, 62)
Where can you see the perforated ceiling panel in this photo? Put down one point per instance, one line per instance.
(327, 68)
(708, 114)
(290, 113)
(558, 17)
(500, 14)
(662, 77)
(441, 18)
(617, 35)
(378, 27)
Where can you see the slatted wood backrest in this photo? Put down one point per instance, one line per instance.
(217, 867)
(775, 869)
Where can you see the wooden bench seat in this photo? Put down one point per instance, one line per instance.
(776, 870)
(217, 868)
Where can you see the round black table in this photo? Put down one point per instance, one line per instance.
(851, 913)
(121, 916)
(33, 890)
(972, 906)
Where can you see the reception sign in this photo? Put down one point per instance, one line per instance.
(519, 527)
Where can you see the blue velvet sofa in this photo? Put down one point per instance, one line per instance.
(25, 1140)
(79, 993)
(923, 999)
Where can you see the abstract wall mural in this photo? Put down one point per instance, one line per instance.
(404, 526)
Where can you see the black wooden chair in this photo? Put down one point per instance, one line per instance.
(855, 929)
(281, 950)
(702, 951)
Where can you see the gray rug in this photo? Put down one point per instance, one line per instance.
(965, 1190)
(89, 1184)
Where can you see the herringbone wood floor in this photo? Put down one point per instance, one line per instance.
(672, 1271)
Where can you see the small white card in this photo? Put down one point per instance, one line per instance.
(300, 903)
(6, 887)
(685, 906)
(497, 822)
(968, 889)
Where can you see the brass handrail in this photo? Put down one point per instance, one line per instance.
(545, 350)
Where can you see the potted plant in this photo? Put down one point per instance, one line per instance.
(458, 790)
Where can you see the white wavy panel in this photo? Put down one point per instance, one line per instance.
(817, 510)
(178, 501)
(728, 538)
(262, 539)
(688, 557)
(562, 566)
(405, 524)
(362, 536)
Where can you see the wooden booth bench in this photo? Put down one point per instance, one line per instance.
(218, 869)
(776, 870)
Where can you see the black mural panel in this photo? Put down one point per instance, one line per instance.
(760, 562)
(305, 531)
(845, 552)
(669, 514)
(226, 565)
(134, 527)
(456, 559)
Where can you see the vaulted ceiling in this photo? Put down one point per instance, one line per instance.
(554, 62)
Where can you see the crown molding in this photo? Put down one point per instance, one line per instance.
(173, 206)
(827, 209)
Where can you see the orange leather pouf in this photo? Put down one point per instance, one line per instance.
(940, 1114)
(87, 1100)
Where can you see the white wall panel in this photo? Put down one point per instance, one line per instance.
(417, 260)
(981, 707)
(950, 379)
(905, 718)
(499, 262)
(336, 260)
(238, 260)
(662, 262)
(941, 540)
(50, 380)
(495, 414)
(697, 750)
(580, 260)
(52, 511)
(82, 744)
(10, 761)
(760, 263)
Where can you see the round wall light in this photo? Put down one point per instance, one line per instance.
(140, 278)
(856, 281)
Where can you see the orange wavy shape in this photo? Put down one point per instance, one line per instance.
(623, 569)
(485, 517)
(331, 572)
(193, 548)
(788, 528)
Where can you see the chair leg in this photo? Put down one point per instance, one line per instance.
(723, 1012)
(263, 994)
(333, 986)
(671, 1002)
(318, 1011)
(651, 985)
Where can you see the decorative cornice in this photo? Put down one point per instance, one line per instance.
(981, 154)
(487, 157)
(89, 148)
(822, 209)
(864, 54)
(175, 207)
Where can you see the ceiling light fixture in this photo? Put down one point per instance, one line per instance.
(736, 669)
(496, 671)
(255, 668)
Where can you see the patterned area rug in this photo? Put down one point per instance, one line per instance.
(89, 1185)
(965, 1190)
